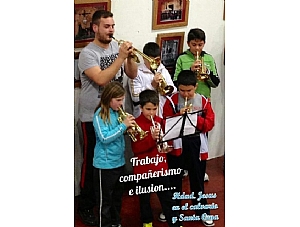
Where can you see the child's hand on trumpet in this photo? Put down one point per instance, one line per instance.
(155, 132)
(156, 79)
(129, 121)
(166, 148)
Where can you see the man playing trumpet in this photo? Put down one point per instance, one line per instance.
(100, 62)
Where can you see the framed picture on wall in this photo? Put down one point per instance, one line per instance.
(171, 45)
(83, 12)
(224, 11)
(169, 14)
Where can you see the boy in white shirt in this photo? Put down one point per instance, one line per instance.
(149, 78)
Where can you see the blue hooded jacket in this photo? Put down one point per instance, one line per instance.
(110, 142)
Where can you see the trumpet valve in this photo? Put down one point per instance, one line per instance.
(135, 58)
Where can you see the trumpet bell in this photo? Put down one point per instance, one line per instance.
(153, 65)
(202, 76)
(143, 134)
(163, 88)
(134, 131)
(166, 90)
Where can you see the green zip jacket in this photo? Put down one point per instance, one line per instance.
(185, 61)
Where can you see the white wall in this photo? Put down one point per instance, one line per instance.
(133, 20)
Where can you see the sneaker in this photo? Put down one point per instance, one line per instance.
(206, 178)
(208, 223)
(185, 173)
(162, 217)
(119, 225)
(88, 217)
(147, 224)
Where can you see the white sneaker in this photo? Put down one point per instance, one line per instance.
(162, 217)
(206, 178)
(208, 223)
(185, 173)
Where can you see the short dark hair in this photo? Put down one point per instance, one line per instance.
(196, 33)
(147, 96)
(100, 14)
(186, 77)
(151, 49)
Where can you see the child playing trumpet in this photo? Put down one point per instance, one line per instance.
(148, 78)
(109, 151)
(147, 149)
(194, 147)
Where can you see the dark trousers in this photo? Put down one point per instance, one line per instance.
(175, 162)
(165, 199)
(196, 169)
(89, 183)
(111, 191)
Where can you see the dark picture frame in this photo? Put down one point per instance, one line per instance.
(171, 45)
(83, 12)
(170, 13)
(224, 11)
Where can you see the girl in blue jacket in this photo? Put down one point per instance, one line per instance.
(109, 151)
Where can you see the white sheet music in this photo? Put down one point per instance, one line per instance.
(173, 126)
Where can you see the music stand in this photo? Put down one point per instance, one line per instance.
(180, 126)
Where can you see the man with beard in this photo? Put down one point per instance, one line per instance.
(100, 62)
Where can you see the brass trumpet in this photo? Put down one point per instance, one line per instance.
(153, 63)
(187, 106)
(132, 131)
(201, 73)
(161, 147)
(163, 87)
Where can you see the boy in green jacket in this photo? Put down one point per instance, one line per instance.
(188, 60)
